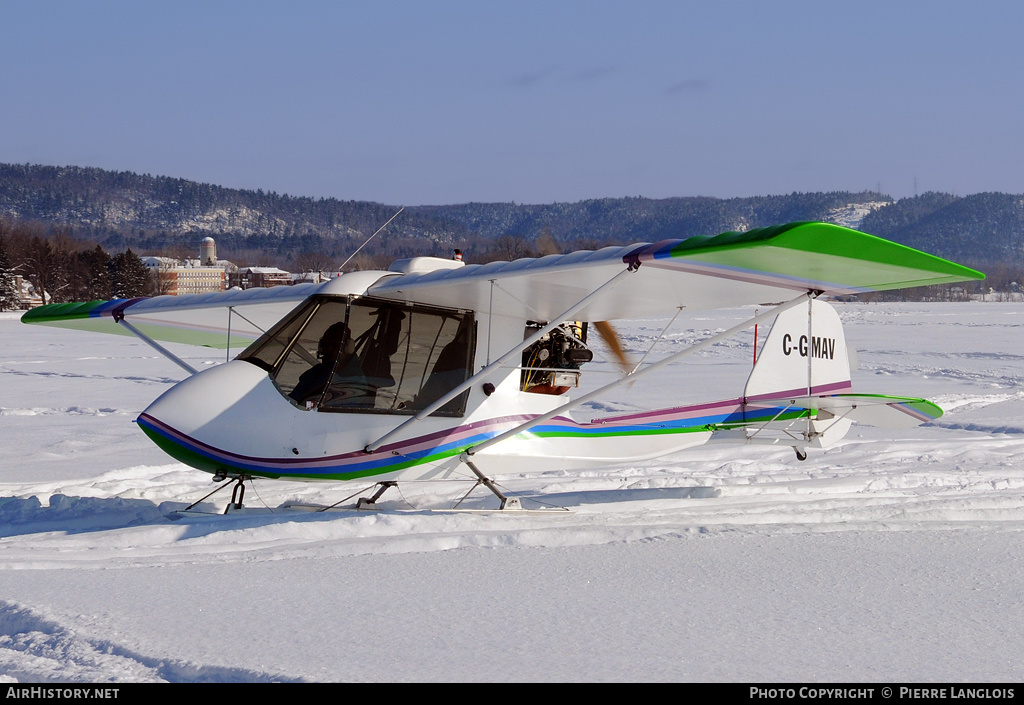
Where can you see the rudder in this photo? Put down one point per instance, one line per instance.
(805, 355)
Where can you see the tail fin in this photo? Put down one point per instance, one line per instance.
(805, 355)
(800, 385)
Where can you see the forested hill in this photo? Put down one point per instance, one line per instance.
(984, 227)
(150, 213)
(625, 220)
(147, 213)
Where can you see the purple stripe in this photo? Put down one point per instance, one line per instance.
(820, 390)
(681, 411)
(405, 447)
(698, 409)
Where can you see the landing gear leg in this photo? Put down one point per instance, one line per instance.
(237, 494)
(506, 502)
(801, 454)
(371, 503)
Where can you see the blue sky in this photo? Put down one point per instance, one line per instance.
(411, 103)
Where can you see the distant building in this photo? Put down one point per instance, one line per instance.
(28, 297)
(192, 280)
(259, 277)
(155, 264)
(176, 277)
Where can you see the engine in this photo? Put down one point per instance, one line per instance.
(551, 365)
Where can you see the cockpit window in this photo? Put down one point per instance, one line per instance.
(369, 355)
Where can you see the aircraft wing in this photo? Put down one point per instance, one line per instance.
(196, 319)
(759, 266)
(736, 268)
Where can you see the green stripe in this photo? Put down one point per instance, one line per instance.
(653, 431)
(201, 462)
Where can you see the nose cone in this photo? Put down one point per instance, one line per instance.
(220, 418)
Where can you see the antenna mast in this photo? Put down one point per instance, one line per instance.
(369, 238)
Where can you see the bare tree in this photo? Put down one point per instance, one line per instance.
(314, 262)
(364, 261)
(510, 247)
(47, 265)
(181, 249)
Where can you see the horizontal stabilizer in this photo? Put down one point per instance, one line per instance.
(871, 409)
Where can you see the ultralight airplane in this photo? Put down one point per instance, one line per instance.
(436, 370)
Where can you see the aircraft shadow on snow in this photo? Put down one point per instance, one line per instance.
(643, 494)
(73, 515)
(21, 516)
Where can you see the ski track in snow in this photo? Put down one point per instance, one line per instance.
(102, 514)
(73, 410)
(70, 375)
(34, 649)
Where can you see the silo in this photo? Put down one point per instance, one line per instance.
(208, 253)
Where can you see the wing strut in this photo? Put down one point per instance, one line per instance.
(486, 371)
(803, 298)
(155, 345)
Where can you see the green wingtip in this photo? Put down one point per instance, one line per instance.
(846, 255)
(842, 241)
(60, 312)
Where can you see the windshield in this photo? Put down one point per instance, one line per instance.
(368, 355)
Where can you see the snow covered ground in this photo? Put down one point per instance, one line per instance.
(894, 556)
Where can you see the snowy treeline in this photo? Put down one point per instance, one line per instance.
(60, 268)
